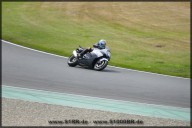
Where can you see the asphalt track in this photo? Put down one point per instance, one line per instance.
(31, 69)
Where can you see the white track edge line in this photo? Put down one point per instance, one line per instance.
(60, 93)
(108, 65)
(33, 49)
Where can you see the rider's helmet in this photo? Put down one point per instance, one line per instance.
(102, 44)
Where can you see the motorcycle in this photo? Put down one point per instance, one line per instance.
(96, 59)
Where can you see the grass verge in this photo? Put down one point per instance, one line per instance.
(147, 36)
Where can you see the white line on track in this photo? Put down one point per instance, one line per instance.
(108, 65)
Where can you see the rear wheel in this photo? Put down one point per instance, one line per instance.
(72, 61)
(100, 65)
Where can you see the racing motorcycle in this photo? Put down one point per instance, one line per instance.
(96, 59)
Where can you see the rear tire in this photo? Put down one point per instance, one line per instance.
(100, 65)
(72, 61)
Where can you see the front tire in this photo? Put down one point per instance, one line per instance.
(72, 61)
(100, 65)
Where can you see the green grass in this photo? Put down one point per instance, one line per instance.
(147, 36)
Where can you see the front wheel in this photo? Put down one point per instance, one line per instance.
(100, 65)
(72, 61)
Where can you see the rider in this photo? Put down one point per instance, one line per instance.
(100, 45)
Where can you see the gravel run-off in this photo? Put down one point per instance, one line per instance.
(25, 113)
